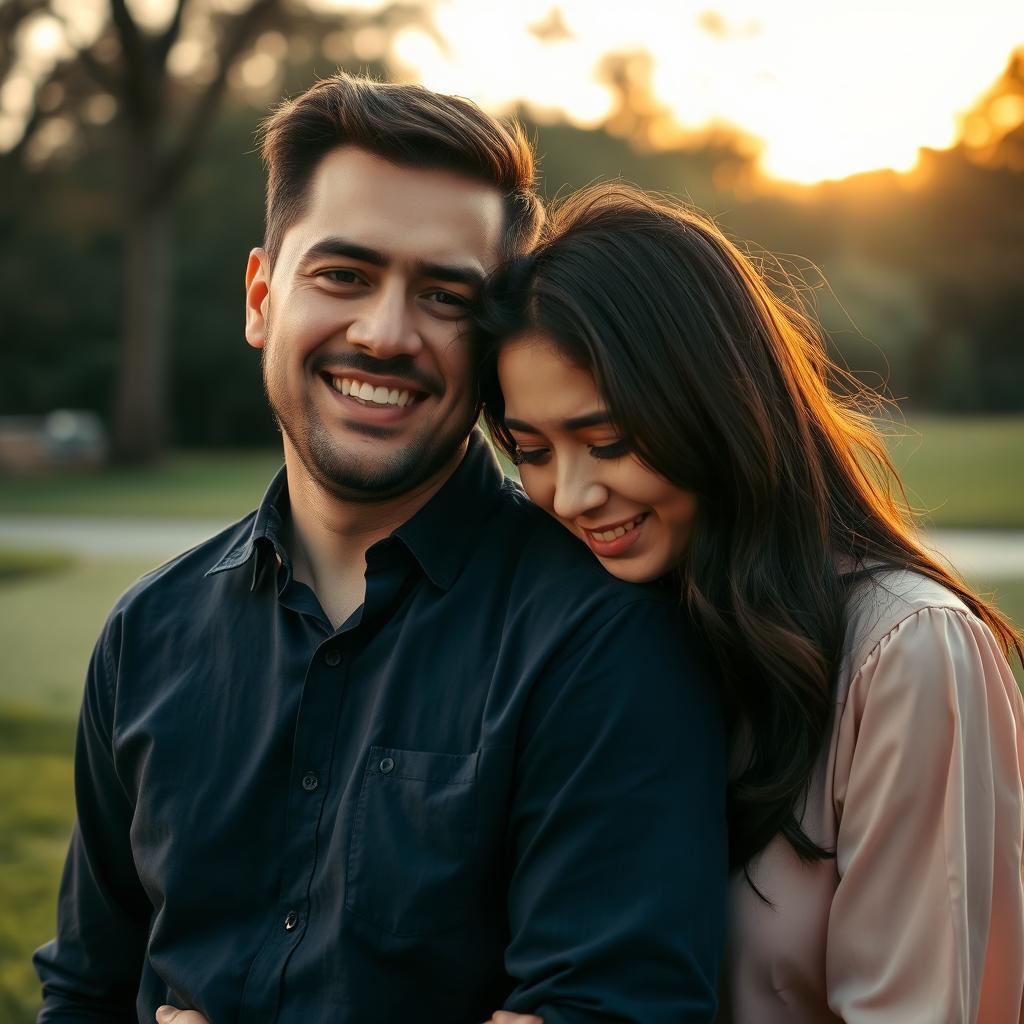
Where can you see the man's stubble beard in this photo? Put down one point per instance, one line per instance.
(366, 476)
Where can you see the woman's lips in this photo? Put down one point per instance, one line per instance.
(615, 539)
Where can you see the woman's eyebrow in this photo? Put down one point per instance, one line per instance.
(523, 428)
(599, 418)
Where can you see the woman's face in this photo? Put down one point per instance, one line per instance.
(575, 465)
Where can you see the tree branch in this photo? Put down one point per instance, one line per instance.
(237, 37)
(17, 151)
(136, 91)
(170, 35)
(127, 31)
(12, 14)
(98, 72)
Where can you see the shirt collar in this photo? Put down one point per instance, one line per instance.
(266, 526)
(441, 536)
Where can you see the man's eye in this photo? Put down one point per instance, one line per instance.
(528, 456)
(615, 450)
(448, 299)
(341, 276)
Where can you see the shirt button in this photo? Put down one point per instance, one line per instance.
(387, 766)
(333, 658)
(291, 920)
(310, 781)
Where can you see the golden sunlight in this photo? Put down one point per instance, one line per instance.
(828, 90)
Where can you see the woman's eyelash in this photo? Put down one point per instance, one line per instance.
(615, 450)
(519, 457)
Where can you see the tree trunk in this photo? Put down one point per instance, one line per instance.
(140, 405)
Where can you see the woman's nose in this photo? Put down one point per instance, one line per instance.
(577, 492)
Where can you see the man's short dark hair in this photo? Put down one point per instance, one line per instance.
(407, 125)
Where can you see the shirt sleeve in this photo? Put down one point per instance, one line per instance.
(927, 920)
(617, 893)
(90, 971)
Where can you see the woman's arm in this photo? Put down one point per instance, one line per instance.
(928, 918)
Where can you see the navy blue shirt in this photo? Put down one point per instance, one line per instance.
(500, 783)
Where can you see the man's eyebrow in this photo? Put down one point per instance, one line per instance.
(336, 246)
(599, 418)
(450, 272)
(342, 247)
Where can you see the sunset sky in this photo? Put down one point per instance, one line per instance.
(829, 88)
(824, 88)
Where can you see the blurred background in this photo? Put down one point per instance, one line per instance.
(877, 150)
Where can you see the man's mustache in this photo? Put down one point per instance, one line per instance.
(403, 367)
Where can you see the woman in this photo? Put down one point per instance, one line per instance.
(684, 422)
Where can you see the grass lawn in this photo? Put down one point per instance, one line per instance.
(964, 471)
(35, 821)
(48, 624)
(202, 485)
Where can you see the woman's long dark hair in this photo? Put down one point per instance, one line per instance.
(725, 389)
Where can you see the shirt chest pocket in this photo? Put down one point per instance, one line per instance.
(413, 862)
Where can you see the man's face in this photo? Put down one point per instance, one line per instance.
(363, 321)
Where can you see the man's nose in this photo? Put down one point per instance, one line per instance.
(384, 326)
(577, 491)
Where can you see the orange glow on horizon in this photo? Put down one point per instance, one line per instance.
(826, 90)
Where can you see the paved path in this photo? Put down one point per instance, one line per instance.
(131, 538)
(985, 554)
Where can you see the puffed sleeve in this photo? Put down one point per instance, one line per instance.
(927, 924)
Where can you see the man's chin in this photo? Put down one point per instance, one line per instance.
(387, 471)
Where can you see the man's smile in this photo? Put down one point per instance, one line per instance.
(366, 398)
(368, 393)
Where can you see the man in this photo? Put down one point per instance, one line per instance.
(394, 747)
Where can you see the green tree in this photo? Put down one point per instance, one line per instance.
(160, 120)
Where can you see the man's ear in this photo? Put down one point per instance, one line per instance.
(257, 297)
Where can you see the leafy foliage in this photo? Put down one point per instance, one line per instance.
(916, 277)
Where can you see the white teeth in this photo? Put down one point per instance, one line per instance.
(368, 393)
(618, 531)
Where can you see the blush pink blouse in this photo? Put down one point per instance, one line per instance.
(920, 917)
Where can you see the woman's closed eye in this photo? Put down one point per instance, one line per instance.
(614, 450)
(535, 455)
(529, 456)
